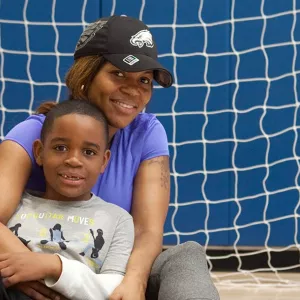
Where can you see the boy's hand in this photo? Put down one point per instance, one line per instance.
(28, 266)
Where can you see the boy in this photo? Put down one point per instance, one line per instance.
(80, 244)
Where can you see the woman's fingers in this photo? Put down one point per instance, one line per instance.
(37, 291)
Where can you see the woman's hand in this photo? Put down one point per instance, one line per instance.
(38, 291)
(129, 289)
(28, 266)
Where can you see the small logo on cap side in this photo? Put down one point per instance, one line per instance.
(143, 37)
(89, 33)
(130, 60)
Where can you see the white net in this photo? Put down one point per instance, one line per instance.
(232, 115)
(36, 46)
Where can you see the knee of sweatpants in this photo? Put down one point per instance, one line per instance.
(189, 255)
(192, 246)
(190, 249)
(195, 258)
(184, 268)
(182, 254)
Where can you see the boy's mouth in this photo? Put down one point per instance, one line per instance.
(71, 177)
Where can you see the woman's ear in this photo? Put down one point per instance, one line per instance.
(38, 152)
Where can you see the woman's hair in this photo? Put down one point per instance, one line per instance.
(45, 107)
(78, 79)
(81, 74)
(74, 106)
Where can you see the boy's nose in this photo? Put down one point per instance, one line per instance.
(73, 161)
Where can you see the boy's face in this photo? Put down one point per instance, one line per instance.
(73, 155)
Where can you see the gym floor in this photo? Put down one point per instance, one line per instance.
(242, 287)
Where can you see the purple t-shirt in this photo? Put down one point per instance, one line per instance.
(142, 139)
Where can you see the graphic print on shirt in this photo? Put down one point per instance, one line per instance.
(83, 237)
(15, 230)
(98, 244)
(57, 236)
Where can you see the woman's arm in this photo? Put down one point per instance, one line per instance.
(16, 163)
(7, 239)
(15, 168)
(149, 209)
(150, 205)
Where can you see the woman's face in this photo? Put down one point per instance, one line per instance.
(120, 95)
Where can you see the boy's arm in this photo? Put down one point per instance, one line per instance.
(77, 281)
(24, 265)
(71, 278)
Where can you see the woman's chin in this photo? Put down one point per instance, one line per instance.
(120, 123)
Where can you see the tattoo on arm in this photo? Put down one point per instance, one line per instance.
(163, 161)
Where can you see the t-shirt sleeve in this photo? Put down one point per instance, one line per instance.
(26, 132)
(120, 249)
(156, 142)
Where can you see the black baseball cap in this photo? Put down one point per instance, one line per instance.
(126, 43)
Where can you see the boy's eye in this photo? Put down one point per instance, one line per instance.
(89, 152)
(60, 148)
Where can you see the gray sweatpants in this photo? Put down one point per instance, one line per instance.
(181, 273)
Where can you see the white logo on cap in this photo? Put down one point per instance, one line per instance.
(130, 60)
(143, 37)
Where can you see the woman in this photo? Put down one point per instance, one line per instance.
(115, 65)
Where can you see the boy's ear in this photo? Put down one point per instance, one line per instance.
(105, 160)
(38, 152)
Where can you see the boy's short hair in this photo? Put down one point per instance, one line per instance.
(73, 106)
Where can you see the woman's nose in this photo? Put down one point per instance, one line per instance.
(131, 90)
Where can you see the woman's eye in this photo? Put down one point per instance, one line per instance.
(119, 74)
(89, 152)
(60, 148)
(145, 80)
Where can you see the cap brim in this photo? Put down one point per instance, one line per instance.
(142, 63)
